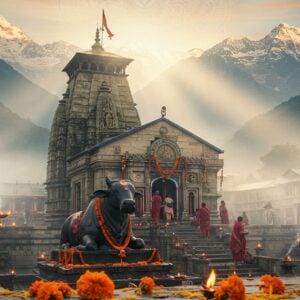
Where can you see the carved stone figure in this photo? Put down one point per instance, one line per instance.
(105, 224)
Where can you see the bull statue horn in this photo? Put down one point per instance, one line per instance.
(130, 178)
(108, 181)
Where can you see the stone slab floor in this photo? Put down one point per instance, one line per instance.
(251, 287)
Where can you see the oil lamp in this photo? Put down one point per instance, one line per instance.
(177, 245)
(288, 265)
(258, 249)
(208, 289)
(250, 276)
(13, 224)
(42, 256)
(12, 272)
(180, 275)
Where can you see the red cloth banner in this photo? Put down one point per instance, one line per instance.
(104, 24)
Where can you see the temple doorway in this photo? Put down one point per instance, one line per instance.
(166, 187)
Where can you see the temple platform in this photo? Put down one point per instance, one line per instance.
(68, 266)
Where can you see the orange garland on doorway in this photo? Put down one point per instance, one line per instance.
(164, 173)
(107, 234)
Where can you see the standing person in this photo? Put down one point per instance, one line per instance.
(223, 213)
(204, 220)
(238, 241)
(169, 212)
(155, 210)
(245, 218)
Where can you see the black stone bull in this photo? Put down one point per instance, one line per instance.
(86, 231)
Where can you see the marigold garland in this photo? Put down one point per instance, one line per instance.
(271, 284)
(95, 286)
(146, 286)
(66, 256)
(231, 288)
(107, 234)
(164, 173)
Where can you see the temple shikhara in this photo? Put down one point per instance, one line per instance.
(97, 132)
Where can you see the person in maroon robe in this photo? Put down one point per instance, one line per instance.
(238, 241)
(155, 211)
(223, 213)
(204, 220)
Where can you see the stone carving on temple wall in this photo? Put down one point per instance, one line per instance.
(117, 150)
(138, 176)
(163, 130)
(192, 178)
(165, 149)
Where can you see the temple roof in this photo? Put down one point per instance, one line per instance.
(96, 54)
(137, 129)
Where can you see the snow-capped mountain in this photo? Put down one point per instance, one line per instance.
(40, 63)
(216, 93)
(273, 61)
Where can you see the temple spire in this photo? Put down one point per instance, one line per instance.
(97, 47)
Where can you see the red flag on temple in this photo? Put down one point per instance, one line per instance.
(104, 24)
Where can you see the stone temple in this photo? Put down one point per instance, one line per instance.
(96, 132)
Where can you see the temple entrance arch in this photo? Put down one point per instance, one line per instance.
(166, 187)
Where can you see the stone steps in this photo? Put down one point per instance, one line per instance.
(217, 252)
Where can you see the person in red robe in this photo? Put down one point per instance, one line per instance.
(204, 220)
(238, 241)
(223, 213)
(155, 210)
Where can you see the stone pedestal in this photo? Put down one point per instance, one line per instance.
(136, 264)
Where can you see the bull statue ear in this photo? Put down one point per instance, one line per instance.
(108, 181)
(101, 193)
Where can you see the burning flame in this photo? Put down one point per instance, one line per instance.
(13, 224)
(258, 246)
(12, 272)
(288, 258)
(211, 279)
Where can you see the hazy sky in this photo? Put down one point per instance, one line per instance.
(153, 24)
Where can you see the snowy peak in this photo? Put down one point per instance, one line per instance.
(10, 32)
(283, 39)
(285, 32)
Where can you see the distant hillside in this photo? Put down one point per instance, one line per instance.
(26, 98)
(278, 126)
(23, 148)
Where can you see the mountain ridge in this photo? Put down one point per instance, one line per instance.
(277, 126)
(25, 97)
(23, 148)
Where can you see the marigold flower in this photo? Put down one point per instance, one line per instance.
(49, 290)
(231, 288)
(272, 284)
(95, 286)
(64, 288)
(35, 286)
(146, 285)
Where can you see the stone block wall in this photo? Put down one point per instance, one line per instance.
(22, 245)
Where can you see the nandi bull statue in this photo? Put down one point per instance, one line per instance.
(105, 224)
